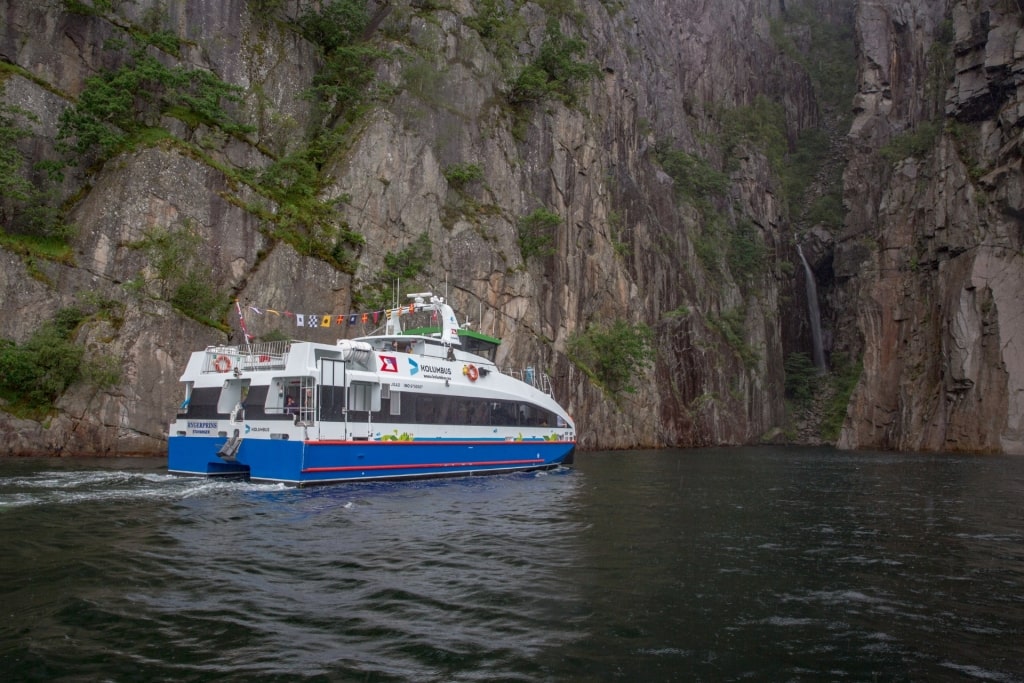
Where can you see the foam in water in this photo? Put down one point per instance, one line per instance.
(58, 487)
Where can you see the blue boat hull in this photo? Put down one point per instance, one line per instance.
(322, 462)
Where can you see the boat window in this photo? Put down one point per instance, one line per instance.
(396, 403)
(203, 403)
(332, 403)
(480, 347)
(413, 408)
(364, 396)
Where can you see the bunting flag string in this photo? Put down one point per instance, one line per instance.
(323, 320)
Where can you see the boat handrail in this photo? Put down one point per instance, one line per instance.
(271, 355)
(537, 379)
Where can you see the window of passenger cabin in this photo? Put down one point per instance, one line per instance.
(364, 396)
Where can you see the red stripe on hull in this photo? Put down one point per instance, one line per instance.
(353, 468)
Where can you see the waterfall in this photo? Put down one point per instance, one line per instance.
(814, 313)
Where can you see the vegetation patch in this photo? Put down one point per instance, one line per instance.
(460, 176)
(613, 354)
(94, 8)
(761, 124)
(746, 256)
(406, 266)
(33, 375)
(801, 378)
(844, 378)
(830, 58)
(537, 233)
(337, 28)
(118, 106)
(916, 142)
(730, 325)
(694, 177)
(177, 276)
(556, 73)
(30, 213)
(501, 26)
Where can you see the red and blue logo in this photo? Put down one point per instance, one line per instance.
(388, 364)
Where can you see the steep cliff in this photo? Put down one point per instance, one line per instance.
(928, 265)
(663, 137)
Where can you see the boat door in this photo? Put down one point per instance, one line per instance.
(363, 402)
(331, 398)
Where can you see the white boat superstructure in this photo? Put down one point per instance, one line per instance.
(305, 412)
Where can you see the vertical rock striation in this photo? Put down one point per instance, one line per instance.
(930, 260)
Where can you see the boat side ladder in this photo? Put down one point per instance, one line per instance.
(229, 450)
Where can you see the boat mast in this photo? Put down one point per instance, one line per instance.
(241, 323)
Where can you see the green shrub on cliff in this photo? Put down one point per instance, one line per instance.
(801, 377)
(33, 375)
(537, 233)
(612, 354)
(30, 213)
(337, 28)
(915, 142)
(117, 106)
(177, 275)
(14, 186)
(405, 266)
(694, 177)
(95, 8)
(556, 73)
(845, 375)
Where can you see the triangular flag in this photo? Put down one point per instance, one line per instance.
(271, 310)
(376, 315)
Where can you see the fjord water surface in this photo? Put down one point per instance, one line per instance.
(723, 564)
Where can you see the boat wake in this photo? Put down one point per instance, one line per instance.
(58, 488)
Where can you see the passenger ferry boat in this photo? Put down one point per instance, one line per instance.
(401, 404)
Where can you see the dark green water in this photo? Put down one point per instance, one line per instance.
(725, 564)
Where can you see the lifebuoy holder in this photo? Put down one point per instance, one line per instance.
(222, 363)
(472, 373)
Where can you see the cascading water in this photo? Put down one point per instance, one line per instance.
(814, 313)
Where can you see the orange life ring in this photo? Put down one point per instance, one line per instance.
(472, 373)
(222, 364)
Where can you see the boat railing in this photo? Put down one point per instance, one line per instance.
(262, 356)
(534, 377)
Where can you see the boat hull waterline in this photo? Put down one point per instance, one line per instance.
(323, 462)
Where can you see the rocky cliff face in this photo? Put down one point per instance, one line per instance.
(929, 264)
(924, 285)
